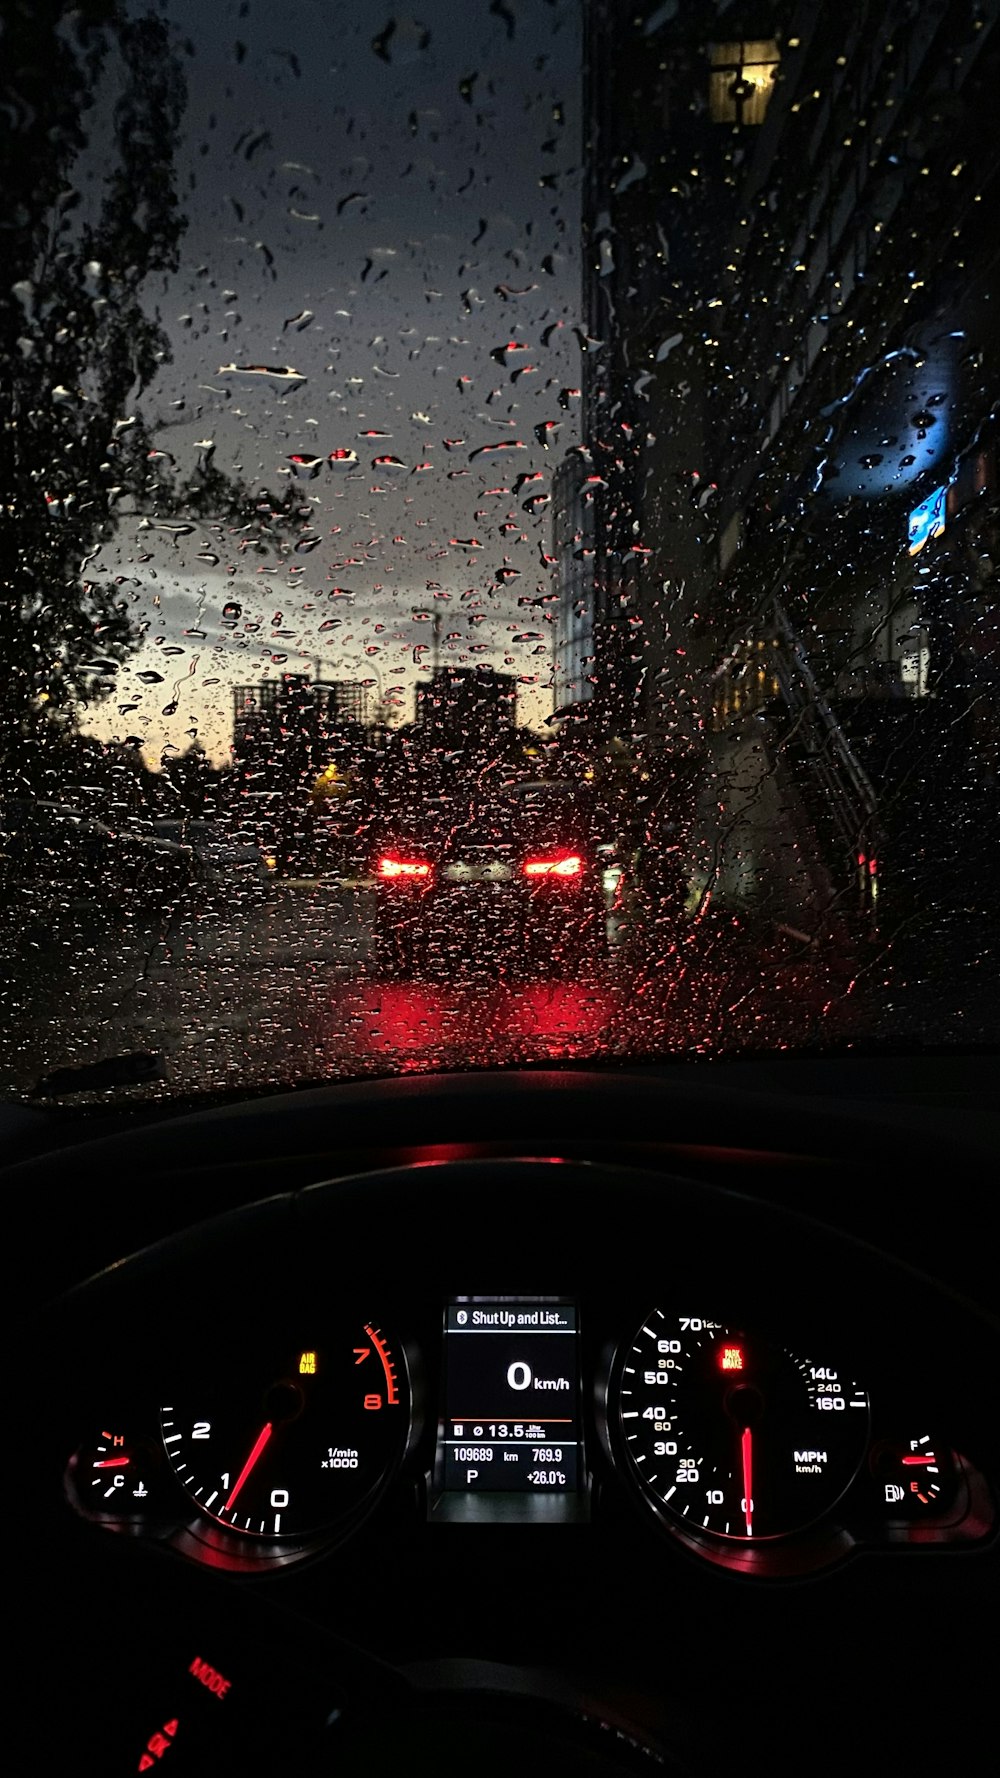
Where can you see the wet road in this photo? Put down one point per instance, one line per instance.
(210, 997)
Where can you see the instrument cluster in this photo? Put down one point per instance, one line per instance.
(758, 1447)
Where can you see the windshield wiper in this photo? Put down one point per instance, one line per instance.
(131, 1070)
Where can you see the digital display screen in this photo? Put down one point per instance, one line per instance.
(512, 1412)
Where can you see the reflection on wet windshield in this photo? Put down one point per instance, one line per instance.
(500, 535)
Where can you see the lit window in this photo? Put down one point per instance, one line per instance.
(742, 80)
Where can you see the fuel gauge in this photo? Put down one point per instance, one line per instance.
(916, 1476)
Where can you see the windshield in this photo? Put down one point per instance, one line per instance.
(500, 536)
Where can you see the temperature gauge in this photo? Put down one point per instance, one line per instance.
(115, 1476)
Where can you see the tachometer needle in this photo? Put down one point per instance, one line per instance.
(262, 1439)
(748, 1479)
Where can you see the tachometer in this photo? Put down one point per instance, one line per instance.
(296, 1447)
(732, 1433)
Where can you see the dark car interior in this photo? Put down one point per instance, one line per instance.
(499, 749)
(580, 1622)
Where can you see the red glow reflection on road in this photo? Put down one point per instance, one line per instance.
(402, 1016)
(559, 1009)
(484, 1022)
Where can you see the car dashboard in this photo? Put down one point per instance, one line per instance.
(268, 1435)
(609, 1451)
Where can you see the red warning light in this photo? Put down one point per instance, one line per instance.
(732, 1358)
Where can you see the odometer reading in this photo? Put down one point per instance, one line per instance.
(732, 1433)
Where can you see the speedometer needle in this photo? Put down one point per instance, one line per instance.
(747, 1443)
(262, 1439)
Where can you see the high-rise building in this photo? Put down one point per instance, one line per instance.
(325, 706)
(463, 704)
(790, 384)
(573, 529)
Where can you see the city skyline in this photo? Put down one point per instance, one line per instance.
(381, 258)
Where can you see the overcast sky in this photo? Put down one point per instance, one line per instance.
(358, 185)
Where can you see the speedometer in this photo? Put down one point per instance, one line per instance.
(732, 1433)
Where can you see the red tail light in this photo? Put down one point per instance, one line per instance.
(393, 870)
(561, 864)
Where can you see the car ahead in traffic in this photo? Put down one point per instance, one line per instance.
(55, 861)
(232, 862)
(512, 879)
